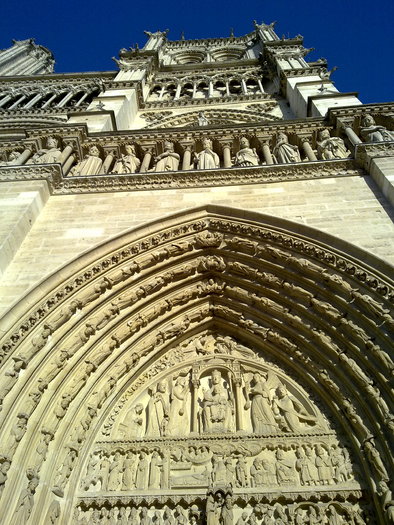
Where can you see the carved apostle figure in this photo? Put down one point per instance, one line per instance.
(178, 424)
(128, 163)
(246, 156)
(371, 132)
(158, 411)
(217, 406)
(284, 152)
(90, 165)
(47, 155)
(331, 147)
(141, 480)
(168, 160)
(207, 159)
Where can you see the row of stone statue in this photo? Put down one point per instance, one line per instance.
(283, 153)
(134, 470)
(218, 407)
(220, 510)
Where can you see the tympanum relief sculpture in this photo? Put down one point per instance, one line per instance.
(221, 427)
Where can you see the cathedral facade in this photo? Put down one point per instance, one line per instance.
(196, 289)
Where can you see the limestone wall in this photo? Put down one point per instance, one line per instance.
(351, 208)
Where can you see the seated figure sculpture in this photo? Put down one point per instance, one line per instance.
(246, 156)
(47, 155)
(371, 132)
(217, 406)
(90, 165)
(207, 159)
(128, 163)
(168, 160)
(331, 147)
(285, 153)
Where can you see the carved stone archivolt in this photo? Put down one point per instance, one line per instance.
(216, 363)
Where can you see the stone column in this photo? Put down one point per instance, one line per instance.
(308, 148)
(267, 153)
(244, 86)
(20, 99)
(84, 95)
(187, 157)
(351, 135)
(194, 419)
(210, 89)
(260, 85)
(33, 101)
(194, 90)
(68, 164)
(65, 99)
(50, 99)
(146, 160)
(227, 155)
(65, 153)
(239, 420)
(178, 92)
(23, 157)
(109, 157)
(5, 99)
(227, 89)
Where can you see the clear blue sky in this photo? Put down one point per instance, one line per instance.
(356, 36)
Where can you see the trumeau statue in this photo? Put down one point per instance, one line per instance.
(246, 156)
(90, 165)
(207, 159)
(285, 153)
(127, 163)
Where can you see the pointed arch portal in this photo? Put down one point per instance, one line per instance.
(214, 355)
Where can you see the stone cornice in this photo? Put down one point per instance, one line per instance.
(234, 99)
(60, 185)
(54, 78)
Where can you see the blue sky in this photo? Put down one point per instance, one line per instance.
(356, 36)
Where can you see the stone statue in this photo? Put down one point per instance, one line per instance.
(5, 465)
(12, 159)
(25, 502)
(202, 119)
(17, 432)
(290, 411)
(178, 424)
(217, 406)
(133, 424)
(324, 466)
(226, 516)
(142, 476)
(331, 147)
(155, 471)
(129, 471)
(128, 163)
(207, 159)
(168, 160)
(246, 156)
(115, 472)
(212, 510)
(284, 152)
(47, 155)
(283, 468)
(370, 132)
(158, 411)
(241, 472)
(263, 420)
(90, 165)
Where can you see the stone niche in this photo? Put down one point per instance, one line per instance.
(214, 433)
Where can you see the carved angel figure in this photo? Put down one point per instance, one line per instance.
(291, 412)
(260, 403)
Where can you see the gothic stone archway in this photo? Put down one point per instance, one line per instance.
(216, 362)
